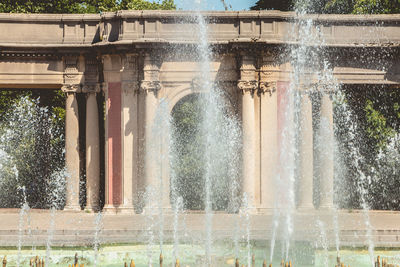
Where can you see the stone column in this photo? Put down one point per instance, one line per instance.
(269, 76)
(248, 85)
(113, 143)
(305, 200)
(129, 120)
(92, 148)
(72, 147)
(129, 143)
(269, 144)
(326, 148)
(150, 86)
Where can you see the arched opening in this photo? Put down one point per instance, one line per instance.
(190, 147)
(32, 148)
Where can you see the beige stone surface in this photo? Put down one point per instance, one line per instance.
(305, 185)
(78, 228)
(72, 160)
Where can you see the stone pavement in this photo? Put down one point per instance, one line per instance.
(79, 228)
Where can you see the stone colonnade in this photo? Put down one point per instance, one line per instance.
(129, 91)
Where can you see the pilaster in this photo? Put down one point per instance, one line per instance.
(112, 87)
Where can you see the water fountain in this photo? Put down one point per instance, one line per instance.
(224, 222)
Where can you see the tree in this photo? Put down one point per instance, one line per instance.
(80, 6)
(32, 161)
(283, 5)
(333, 6)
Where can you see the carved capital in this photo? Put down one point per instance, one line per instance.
(131, 87)
(91, 88)
(247, 86)
(71, 88)
(150, 86)
(267, 87)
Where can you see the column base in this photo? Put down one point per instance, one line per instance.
(126, 209)
(123, 209)
(266, 211)
(72, 208)
(93, 209)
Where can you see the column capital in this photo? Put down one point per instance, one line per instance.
(247, 86)
(71, 88)
(130, 87)
(150, 86)
(91, 88)
(267, 87)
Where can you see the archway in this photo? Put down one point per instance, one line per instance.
(190, 148)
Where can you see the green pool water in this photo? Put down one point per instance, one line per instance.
(302, 255)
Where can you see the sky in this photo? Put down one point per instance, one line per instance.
(214, 4)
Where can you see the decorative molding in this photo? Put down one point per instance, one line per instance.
(71, 71)
(267, 87)
(91, 88)
(71, 88)
(91, 70)
(247, 86)
(129, 62)
(200, 85)
(129, 87)
(33, 55)
(150, 86)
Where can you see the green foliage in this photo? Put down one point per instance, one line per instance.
(80, 6)
(339, 6)
(283, 5)
(376, 6)
(189, 151)
(32, 160)
(333, 6)
(146, 5)
(377, 127)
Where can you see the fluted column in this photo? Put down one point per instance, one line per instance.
(306, 153)
(248, 85)
(326, 148)
(72, 147)
(92, 148)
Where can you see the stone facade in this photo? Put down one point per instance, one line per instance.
(136, 58)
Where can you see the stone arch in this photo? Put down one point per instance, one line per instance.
(174, 96)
